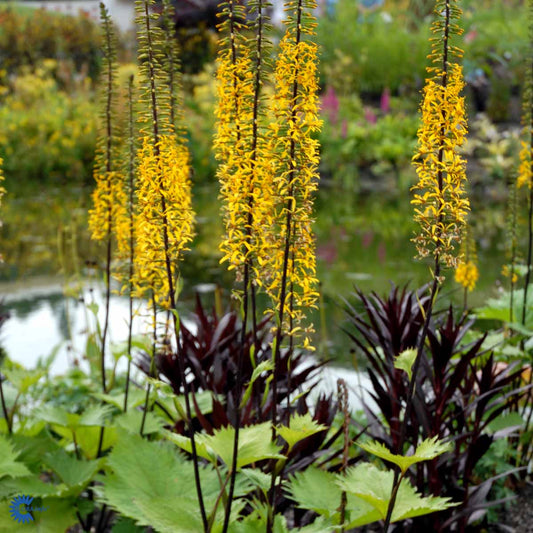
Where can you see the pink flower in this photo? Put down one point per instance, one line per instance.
(370, 116)
(330, 104)
(385, 100)
(344, 128)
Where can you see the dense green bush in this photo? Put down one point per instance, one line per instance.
(379, 51)
(366, 141)
(387, 48)
(28, 36)
(45, 133)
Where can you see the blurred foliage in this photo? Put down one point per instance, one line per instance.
(380, 51)
(387, 48)
(372, 143)
(28, 36)
(45, 133)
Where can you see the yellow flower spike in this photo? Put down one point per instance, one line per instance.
(162, 178)
(240, 145)
(467, 274)
(439, 195)
(291, 263)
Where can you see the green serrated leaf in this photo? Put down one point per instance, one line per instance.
(93, 416)
(254, 444)
(316, 490)
(131, 422)
(301, 427)
(374, 486)
(146, 473)
(23, 379)
(135, 398)
(72, 471)
(126, 525)
(58, 514)
(258, 478)
(405, 361)
(9, 466)
(425, 451)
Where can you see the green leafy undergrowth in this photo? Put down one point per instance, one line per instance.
(368, 490)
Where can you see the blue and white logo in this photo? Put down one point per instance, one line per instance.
(19, 509)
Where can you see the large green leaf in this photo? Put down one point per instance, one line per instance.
(254, 445)
(93, 416)
(21, 378)
(135, 398)
(88, 438)
(374, 486)
(425, 451)
(31, 485)
(9, 466)
(301, 427)
(170, 516)
(73, 472)
(319, 491)
(131, 421)
(146, 477)
(31, 449)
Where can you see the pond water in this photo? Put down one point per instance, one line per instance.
(363, 244)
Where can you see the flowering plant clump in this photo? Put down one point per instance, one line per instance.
(165, 216)
(440, 201)
(466, 271)
(467, 274)
(291, 268)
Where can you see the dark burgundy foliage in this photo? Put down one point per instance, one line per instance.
(459, 391)
(211, 350)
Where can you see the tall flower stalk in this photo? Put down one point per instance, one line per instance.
(107, 172)
(165, 214)
(240, 148)
(525, 169)
(125, 229)
(440, 202)
(291, 267)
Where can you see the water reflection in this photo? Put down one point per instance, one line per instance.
(43, 317)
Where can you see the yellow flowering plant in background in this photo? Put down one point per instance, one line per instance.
(290, 272)
(440, 201)
(466, 271)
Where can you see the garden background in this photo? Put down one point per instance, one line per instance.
(372, 69)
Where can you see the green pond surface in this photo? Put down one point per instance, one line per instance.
(360, 242)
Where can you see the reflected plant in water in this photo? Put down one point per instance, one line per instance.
(466, 271)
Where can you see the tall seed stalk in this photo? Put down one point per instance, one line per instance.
(440, 203)
(131, 230)
(292, 268)
(166, 181)
(242, 100)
